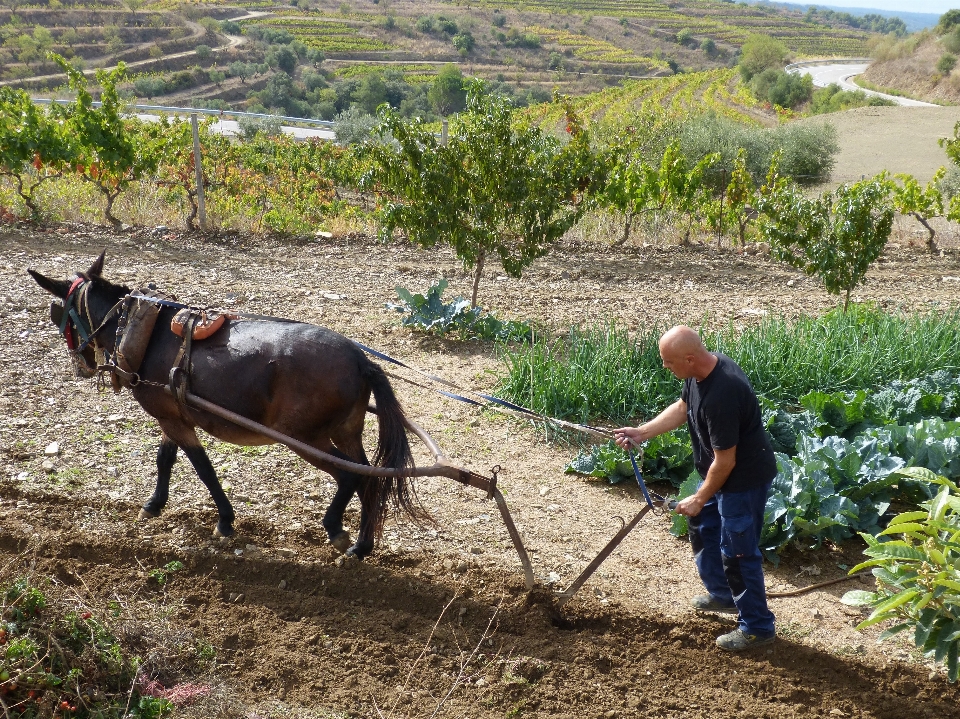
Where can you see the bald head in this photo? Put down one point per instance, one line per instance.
(684, 354)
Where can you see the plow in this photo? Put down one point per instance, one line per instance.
(443, 467)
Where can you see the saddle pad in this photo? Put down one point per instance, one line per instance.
(206, 324)
(134, 332)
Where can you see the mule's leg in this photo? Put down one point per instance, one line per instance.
(333, 517)
(186, 438)
(166, 456)
(365, 539)
(350, 446)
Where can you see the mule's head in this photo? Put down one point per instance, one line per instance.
(84, 302)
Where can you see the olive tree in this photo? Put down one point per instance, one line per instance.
(500, 186)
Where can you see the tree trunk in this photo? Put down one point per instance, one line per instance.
(931, 243)
(192, 219)
(476, 277)
(626, 230)
(846, 302)
(27, 198)
(108, 210)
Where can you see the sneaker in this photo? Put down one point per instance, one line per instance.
(738, 640)
(706, 603)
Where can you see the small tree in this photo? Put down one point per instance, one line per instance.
(922, 203)
(735, 204)
(500, 186)
(34, 147)
(759, 53)
(110, 155)
(836, 236)
(447, 94)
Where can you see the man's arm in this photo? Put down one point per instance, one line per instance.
(672, 417)
(724, 461)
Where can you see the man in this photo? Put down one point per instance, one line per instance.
(732, 453)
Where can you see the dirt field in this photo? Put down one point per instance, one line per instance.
(896, 139)
(437, 622)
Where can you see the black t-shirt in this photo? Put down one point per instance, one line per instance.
(722, 412)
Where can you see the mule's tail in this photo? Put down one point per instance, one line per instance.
(393, 450)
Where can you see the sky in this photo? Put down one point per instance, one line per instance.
(937, 7)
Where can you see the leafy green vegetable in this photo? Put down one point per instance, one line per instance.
(668, 457)
(604, 461)
(689, 486)
(429, 313)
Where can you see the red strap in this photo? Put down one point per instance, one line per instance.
(68, 330)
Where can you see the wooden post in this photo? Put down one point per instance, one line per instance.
(444, 130)
(198, 167)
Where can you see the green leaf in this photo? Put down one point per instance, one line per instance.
(887, 633)
(893, 602)
(908, 517)
(904, 528)
(896, 549)
(858, 598)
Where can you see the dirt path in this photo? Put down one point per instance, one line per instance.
(309, 632)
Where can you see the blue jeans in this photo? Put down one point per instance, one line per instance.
(726, 548)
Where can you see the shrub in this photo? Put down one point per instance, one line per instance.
(464, 41)
(353, 126)
(832, 99)
(946, 63)
(203, 52)
(150, 86)
(759, 53)
(808, 152)
(250, 127)
(499, 20)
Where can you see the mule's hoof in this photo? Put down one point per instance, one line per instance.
(145, 514)
(352, 554)
(341, 542)
(222, 532)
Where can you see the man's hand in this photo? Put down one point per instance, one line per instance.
(627, 437)
(691, 506)
(672, 417)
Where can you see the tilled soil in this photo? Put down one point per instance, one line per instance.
(437, 622)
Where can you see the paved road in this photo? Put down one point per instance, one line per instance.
(232, 127)
(840, 73)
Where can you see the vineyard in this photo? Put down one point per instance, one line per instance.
(723, 21)
(591, 49)
(330, 36)
(717, 90)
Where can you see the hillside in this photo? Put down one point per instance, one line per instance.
(316, 57)
(922, 66)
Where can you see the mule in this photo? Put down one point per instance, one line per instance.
(304, 381)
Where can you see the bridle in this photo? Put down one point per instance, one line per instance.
(76, 324)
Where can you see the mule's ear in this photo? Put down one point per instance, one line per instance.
(96, 269)
(59, 288)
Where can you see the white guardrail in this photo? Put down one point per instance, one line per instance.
(203, 111)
